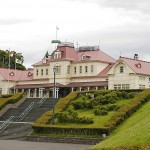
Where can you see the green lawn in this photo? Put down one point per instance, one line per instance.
(99, 121)
(134, 131)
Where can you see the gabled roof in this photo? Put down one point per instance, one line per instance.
(18, 75)
(138, 66)
(103, 73)
(96, 55)
(70, 53)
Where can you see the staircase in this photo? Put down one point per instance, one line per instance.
(23, 117)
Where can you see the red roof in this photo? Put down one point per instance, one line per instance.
(103, 73)
(85, 84)
(69, 53)
(9, 74)
(138, 66)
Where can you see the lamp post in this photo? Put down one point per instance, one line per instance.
(54, 95)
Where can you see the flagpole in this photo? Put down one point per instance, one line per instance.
(56, 32)
(8, 71)
(15, 77)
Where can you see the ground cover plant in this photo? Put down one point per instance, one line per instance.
(133, 134)
(88, 113)
(10, 99)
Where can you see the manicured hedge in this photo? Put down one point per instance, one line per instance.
(126, 110)
(70, 130)
(60, 106)
(10, 99)
(41, 125)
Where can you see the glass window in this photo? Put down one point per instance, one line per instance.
(80, 69)
(86, 69)
(75, 70)
(41, 71)
(58, 69)
(46, 71)
(92, 68)
(121, 69)
(37, 72)
(68, 69)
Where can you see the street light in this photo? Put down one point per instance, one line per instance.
(54, 95)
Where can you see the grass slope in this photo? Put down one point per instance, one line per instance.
(134, 131)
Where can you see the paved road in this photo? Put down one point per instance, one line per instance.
(25, 145)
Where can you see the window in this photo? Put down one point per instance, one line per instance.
(141, 78)
(41, 71)
(121, 69)
(46, 71)
(141, 86)
(68, 69)
(75, 70)
(80, 69)
(92, 68)
(86, 69)
(37, 72)
(57, 55)
(121, 86)
(58, 69)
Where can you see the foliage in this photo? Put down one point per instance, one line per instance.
(4, 60)
(10, 99)
(132, 134)
(60, 106)
(71, 116)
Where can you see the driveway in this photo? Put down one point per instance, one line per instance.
(25, 145)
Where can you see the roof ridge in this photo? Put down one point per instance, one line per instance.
(135, 59)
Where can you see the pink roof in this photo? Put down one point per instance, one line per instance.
(69, 53)
(9, 74)
(95, 55)
(103, 73)
(138, 66)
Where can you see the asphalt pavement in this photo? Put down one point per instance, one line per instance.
(26, 145)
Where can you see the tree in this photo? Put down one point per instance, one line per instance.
(4, 60)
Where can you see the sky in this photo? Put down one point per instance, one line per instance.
(118, 27)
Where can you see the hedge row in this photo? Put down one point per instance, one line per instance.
(121, 114)
(60, 106)
(71, 130)
(10, 99)
(126, 110)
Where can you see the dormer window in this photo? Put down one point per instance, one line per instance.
(138, 65)
(57, 55)
(11, 74)
(29, 74)
(85, 57)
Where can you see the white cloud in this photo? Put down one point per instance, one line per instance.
(28, 26)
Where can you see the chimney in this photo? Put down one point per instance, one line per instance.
(136, 57)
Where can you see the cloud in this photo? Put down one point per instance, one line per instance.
(14, 21)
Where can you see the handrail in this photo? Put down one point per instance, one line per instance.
(25, 112)
(42, 100)
(12, 105)
(6, 123)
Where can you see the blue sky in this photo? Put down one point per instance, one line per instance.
(119, 27)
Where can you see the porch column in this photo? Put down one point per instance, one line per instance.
(96, 88)
(22, 90)
(29, 92)
(57, 90)
(105, 87)
(80, 89)
(16, 90)
(35, 91)
(88, 88)
(72, 89)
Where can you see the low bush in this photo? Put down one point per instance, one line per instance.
(72, 117)
(10, 99)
